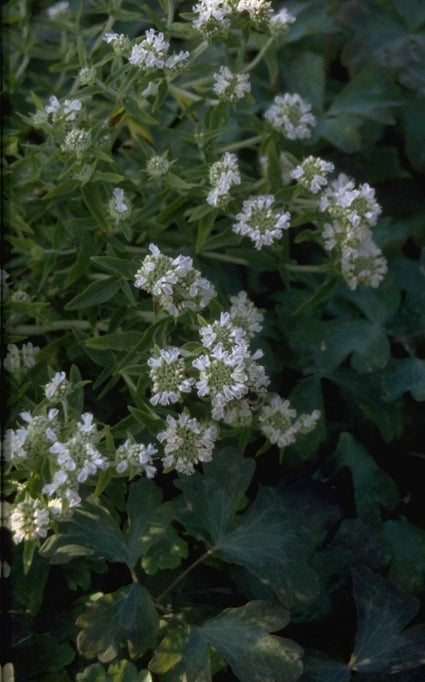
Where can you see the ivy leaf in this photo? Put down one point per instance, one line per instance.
(373, 487)
(126, 618)
(92, 531)
(406, 546)
(241, 636)
(404, 376)
(148, 519)
(167, 553)
(211, 501)
(372, 93)
(320, 669)
(381, 644)
(118, 671)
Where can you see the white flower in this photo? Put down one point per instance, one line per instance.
(312, 172)
(186, 442)
(279, 22)
(34, 439)
(77, 141)
(168, 376)
(259, 10)
(119, 206)
(364, 265)
(57, 10)
(222, 377)
(223, 175)
(57, 386)
(175, 283)
(224, 332)
(213, 16)
(135, 458)
(238, 413)
(111, 37)
(67, 111)
(230, 86)
(259, 222)
(244, 314)
(29, 520)
(20, 358)
(291, 115)
(152, 53)
(348, 204)
(158, 165)
(280, 423)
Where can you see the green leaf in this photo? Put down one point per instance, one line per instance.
(91, 531)
(320, 669)
(373, 488)
(39, 654)
(405, 544)
(342, 131)
(381, 644)
(94, 294)
(404, 376)
(210, 501)
(241, 636)
(121, 266)
(166, 554)
(95, 204)
(126, 618)
(372, 93)
(117, 341)
(306, 76)
(148, 519)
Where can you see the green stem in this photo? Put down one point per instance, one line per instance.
(258, 57)
(304, 268)
(241, 145)
(184, 573)
(133, 573)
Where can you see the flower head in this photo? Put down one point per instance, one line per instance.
(291, 115)
(259, 222)
(244, 314)
(186, 442)
(260, 11)
(168, 376)
(158, 165)
(223, 332)
(152, 53)
(66, 111)
(18, 359)
(135, 458)
(57, 387)
(119, 206)
(223, 175)
(230, 86)
(57, 10)
(280, 423)
(280, 21)
(312, 172)
(77, 141)
(213, 16)
(29, 520)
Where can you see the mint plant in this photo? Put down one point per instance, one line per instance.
(214, 341)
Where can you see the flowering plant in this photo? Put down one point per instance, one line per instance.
(209, 307)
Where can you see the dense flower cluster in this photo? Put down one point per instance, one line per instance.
(175, 284)
(119, 207)
(291, 115)
(186, 442)
(352, 212)
(312, 173)
(168, 376)
(135, 458)
(29, 520)
(22, 358)
(230, 86)
(66, 111)
(215, 17)
(152, 53)
(280, 422)
(259, 222)
(223, 174)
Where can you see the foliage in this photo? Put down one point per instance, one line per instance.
(215, 340)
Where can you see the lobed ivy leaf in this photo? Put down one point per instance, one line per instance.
(403, 376)
(373, 488)
(124, 619)
(118, 671)
(148, 518)
(382, 644)
(241, 636)
(405, 544)
(91, 531)
(372, 93)
(165, 554)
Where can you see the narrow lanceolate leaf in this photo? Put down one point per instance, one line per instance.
(382, 644)
(91, 531)
(148, 519)
(126, 619)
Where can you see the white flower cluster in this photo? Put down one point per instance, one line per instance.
(151, 54)
(168, 376)
(186, 442)
(281, 424)
(33, 439)
(215, 16)
(135, 458)
(18, 359)
(29, 520)
(291, 115)
(77, 141)
(175, 284)
(223, 175)
(158, 165)
(312, 173)
(75, 460)
(228, 370)
(353, 212)
(119, 207)
(230, 86)
(259, 222)
(66, 111)
(57, 10)
(57, 387)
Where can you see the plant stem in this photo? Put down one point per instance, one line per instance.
(182, 575)
(258, 56)
(241, 145)
(57, 325)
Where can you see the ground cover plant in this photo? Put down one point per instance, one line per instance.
(214, 313)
